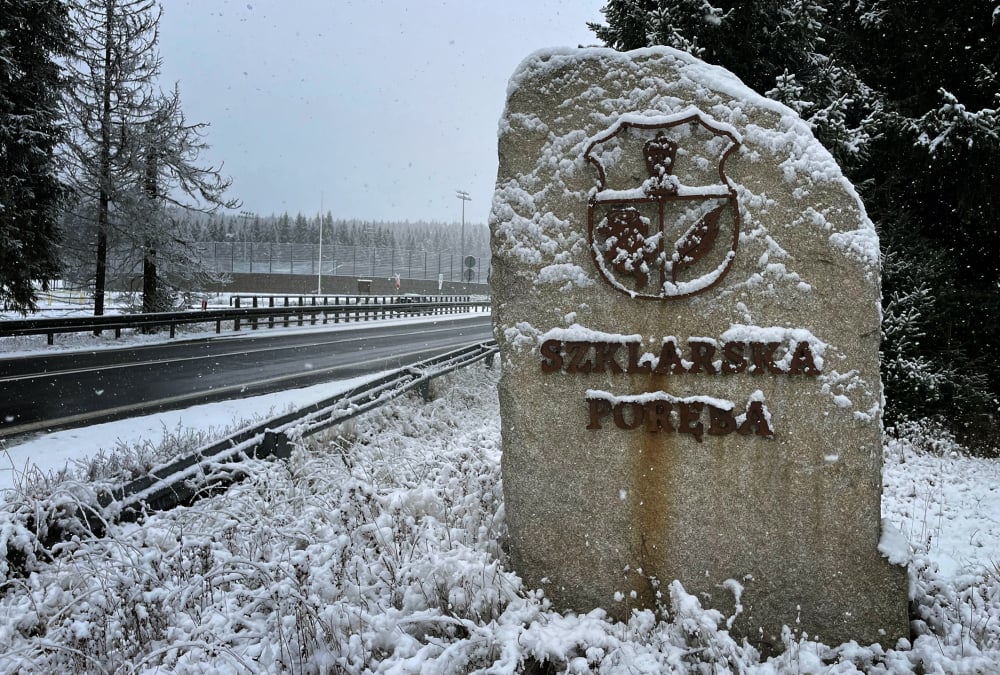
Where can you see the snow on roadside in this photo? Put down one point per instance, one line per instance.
(379, 549)
(51, 453)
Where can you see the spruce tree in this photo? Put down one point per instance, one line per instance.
(33, 35)
(929, 183)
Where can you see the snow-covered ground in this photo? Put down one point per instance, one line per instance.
(64, 302)
(61, 451)
(379, 548)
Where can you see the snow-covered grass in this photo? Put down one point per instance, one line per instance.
(380, 548)
(116, 450)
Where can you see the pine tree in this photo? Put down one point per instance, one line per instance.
(33, 35)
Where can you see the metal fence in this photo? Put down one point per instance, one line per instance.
(354, 261)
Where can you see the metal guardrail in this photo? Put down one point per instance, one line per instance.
(252, 316)
(214, 465)
(219, 464)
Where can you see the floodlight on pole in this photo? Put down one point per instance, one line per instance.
(464, 196)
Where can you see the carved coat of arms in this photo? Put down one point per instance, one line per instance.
(664, 221)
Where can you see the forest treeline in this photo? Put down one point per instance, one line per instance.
(305, 229)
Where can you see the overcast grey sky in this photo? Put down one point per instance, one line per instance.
(382, 108)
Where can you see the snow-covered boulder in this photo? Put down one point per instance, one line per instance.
(686, 295)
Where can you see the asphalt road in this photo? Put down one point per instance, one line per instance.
(52, 391)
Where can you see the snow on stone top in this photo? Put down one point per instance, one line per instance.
(692, 68)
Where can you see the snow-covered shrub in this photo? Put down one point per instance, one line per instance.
(44, 513)
(925, 435)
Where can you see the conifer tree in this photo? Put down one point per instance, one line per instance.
(168, 145)
(33, 35)
(929, 183)
(112, 73)
(131, 150)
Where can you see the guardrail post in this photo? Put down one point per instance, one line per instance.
(286, 313)
(172, 328)
(275, 444)
(489, 360)
(253, 321)
(425, 390)
(300, 310)
(312, 322)
(236, 321)
(336, 310)
(270, 317)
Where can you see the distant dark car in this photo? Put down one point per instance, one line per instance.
(410, 298)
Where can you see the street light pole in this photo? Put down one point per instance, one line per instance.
(247, 216)
(464, 196)
(319, 267)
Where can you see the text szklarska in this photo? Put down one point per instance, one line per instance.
(659, 412)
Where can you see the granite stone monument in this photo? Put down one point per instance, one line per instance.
(686, 297)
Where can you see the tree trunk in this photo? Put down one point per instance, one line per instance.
(149, 279)
(150, 292)
(105, 169)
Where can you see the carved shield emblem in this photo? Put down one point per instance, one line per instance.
(664, 221)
